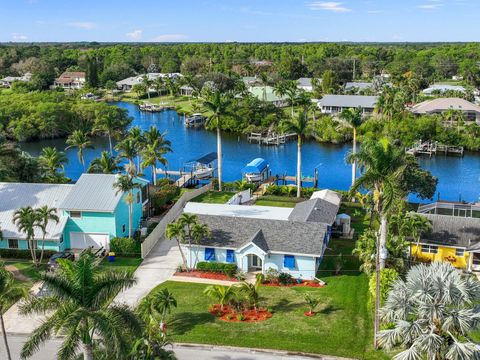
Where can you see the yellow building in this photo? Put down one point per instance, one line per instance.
(453, 239)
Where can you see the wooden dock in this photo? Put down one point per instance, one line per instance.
(185, 178)
(431, 148)
(270, 138)
(304, 179)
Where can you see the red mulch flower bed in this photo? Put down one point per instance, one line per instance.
(307, 283)
(309, 314)
(230, 315)
(205, 275)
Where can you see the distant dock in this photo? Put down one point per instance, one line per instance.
(270, 138)
(431, 148)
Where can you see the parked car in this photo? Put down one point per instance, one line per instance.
(52, 262)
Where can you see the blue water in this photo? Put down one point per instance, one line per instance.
(459, 178)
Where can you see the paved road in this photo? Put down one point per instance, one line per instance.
(183, 352)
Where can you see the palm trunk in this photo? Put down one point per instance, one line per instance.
(32, 251)
(219, 153)
(4, 334)
(87, 352)
(110, 143)
(383, 240)
(43, 249)
(184, 259)
(299, 165)
(190, 254)
(154, 175)
(354, 151)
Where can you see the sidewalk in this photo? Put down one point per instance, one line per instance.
(191, 279)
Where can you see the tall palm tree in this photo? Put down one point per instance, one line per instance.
(147, 82)
(301, 127)
(80, 140)
(44, 215)
(158, 85)
(10, 293)
(80, 302)
(432, 319)
(109, 124)
(218, 104)
(155, 147)
(105, 164)
(176, 231)
(52, 160)
(353, 119)
(136, 135)
(188, 221)
(125, 185)
(292, 94)
(25, 219)
(127, 149)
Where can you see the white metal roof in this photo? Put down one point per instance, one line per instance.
(327, 195)
(243, 211)
(348, 101)
(14, 196)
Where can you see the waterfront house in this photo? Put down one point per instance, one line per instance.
(9, 80)
(127, 84)
(267, 93)
(71, 80)
(335, 104)
(305, 84)
(442, 89)
(258, 238)
(440, 105)
(455, 235)
(91, 212)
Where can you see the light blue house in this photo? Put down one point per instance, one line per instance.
(258, 238)
(91, 212)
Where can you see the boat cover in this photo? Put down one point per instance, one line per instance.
(255, 166)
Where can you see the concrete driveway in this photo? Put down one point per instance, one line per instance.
(157, 268)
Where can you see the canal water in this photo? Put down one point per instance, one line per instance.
(459, 178)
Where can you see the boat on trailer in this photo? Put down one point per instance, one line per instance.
(196, 120)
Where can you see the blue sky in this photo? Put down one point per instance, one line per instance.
(240, 20)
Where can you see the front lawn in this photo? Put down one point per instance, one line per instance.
(342, 326)
(278, 201)
(214, 197)
(121, 263)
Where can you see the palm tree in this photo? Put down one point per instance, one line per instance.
(79, 139)
(252, 291)
(172, 86)
(292, 93)
(25, 219)
(44, 215)
(414, 226)
(302, 129)
(155, 147)
(147, 82)
(158, 85)
(432, 319)
(176, 231)
(80, 302)
(353, 119)
(198, 233)
(105, 164)
(139, 89)
(10, 293)
(136, 135)
(51, 160)
(312, 302)
(108, 123)
(127, 149)
(125, 184)
(188, 221)
(220, 294)
(218, 105)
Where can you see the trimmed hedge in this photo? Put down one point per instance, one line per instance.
(228, 269)
(125, 247)
(23, 254)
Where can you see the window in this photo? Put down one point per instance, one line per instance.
(230, 256)
(13, 243)
(209, 254)
(429, 249)
(289, 261)
(138, 197)
(459, 252)
(75, 214)
(124, 228)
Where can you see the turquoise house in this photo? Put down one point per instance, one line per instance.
(91, 212)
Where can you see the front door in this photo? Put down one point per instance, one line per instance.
(254, 262)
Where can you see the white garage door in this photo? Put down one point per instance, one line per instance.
(86, 240)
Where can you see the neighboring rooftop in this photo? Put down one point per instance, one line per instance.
(349, 101)
(328, 195)
(442, 88)
(304, 82)
(358, 85)
(239, 211)
(266, 93)
(444, 104)
(315, 210)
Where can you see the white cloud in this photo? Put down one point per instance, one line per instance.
(431, 5)
(85, 25)
(328, 6)
(18, 37)
(170, 37)
(134, 35)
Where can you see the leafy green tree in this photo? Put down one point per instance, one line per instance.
(10, 293)
(156, 146)
(52, 160)
(329, 82)
(125, 185)
(44, 216)
(387, 280)
(80, 140)
(80, 309)
(106, 163)
(432, 319)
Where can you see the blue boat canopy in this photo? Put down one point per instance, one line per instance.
(205, 159)
(256, 166)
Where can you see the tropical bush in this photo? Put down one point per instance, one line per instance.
(125, 247)
(285, 278)
(22, 254)
(387, 279)
(271, 275)
(228, 269)
(164, 194)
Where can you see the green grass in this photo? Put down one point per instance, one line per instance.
(279, 201)
(214, 197)
(121, 263)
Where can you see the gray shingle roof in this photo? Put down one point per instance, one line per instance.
(453, 230)
(275, 235)
(348, 101)
(358, 85)
(304, 82)
(314, 210)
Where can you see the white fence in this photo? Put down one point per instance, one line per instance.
(240, 197)
(175, 211)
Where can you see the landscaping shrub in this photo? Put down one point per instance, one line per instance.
(285, 278)
(387, 279)
(240, 317)
(164, 195)
(271, 275)
(228, 269)
(23, 254)
(125, 247)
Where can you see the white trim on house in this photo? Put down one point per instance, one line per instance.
(251, 243)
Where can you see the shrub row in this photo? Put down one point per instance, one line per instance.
(228, 269)
(291, 191)
(125, 247)
(23, 254)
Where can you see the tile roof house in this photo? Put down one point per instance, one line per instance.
(335, 104)
(440, 105)
(258, 238)
(90, 211)
(71, 80)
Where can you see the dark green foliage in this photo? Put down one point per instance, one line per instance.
(22, 254)
(164, 194)
(285, 278)
(228, 269)
(125, 247)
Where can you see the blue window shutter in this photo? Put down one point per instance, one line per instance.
(289, 261)
(230, 256)
(209, 254)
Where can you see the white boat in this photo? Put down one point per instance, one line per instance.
(256, 170)
(203, 171)
(253, 177)
(196, 120)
